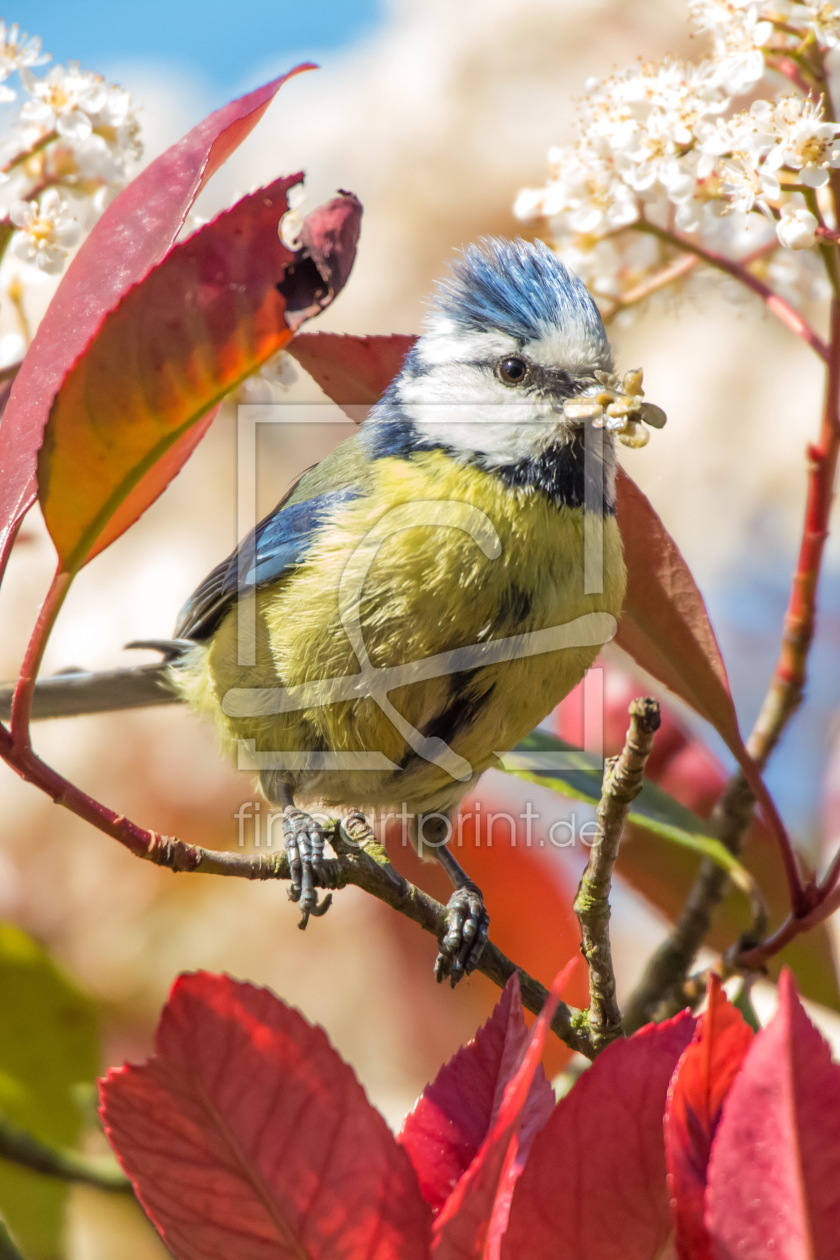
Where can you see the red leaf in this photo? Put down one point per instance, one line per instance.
(471, 1223)
(135, 232)
(219, 305)
(700, 1084)
(664, 625)
(454, 1115)
(774, 1174)
(352, 371)
(594, 1185)
(246, 1135)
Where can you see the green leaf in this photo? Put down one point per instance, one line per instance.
(580, 775)
(49, 1045)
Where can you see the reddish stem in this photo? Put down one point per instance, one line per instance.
(776, 304)
(789, 678)
(24, 690)
(788, 67)
(822, 457)
(802, 895)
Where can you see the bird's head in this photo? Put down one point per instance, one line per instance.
(511, 339)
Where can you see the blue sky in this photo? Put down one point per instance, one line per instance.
(223, 44)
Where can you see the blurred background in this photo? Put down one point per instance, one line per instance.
(435, 115)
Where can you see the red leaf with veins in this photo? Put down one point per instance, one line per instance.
(664, 625)
(247, 1136)
(698, 1089)
(134, 233)
(455, 1113)
(133, 406)
(471, 1223)
(594, 1185)
(774, 1174)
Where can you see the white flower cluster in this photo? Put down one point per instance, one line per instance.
(664, 152)
(67, 152)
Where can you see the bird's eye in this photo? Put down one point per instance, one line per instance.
(513, 370)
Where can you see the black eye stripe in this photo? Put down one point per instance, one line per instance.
(547, 379)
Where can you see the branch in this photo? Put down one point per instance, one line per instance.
(662, 982)
(77, 692)
(364, 865)
(739, 271)
(623, 781)
(675, 270)
(681, 266)
(22, 1148)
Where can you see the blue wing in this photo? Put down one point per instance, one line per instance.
(278, 544)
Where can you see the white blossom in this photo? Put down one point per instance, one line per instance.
(97, 133)
(823, 20)
(270, 383)
(292, 221)
(669, 146)
(12, 349)
(46, 232)
(738, 33)
(803, 141)
(797, 227)
(17, 51)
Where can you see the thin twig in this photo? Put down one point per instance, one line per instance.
(675, 270)
(666, 971)
(22, 1148)
(623, 780)
(679, 267)
(776, 304)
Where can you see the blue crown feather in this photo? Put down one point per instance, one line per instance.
(519, 287)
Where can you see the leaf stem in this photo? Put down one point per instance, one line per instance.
(23, 1148)
(40, 144)
(25, 687)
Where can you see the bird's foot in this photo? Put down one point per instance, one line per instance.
(464, 934)
(304, 841)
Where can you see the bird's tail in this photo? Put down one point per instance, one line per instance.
(76, 692)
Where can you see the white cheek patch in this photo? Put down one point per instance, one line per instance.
(455, 397)
(487, 419)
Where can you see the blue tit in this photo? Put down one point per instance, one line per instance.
(421, 599)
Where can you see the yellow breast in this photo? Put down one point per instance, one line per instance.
(442, 606)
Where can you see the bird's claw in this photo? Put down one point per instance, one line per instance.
(304, 841)
(464, 934)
